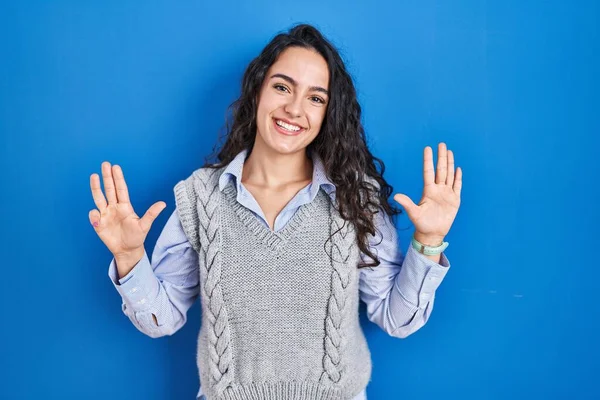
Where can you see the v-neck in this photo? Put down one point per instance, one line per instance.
(272, 239)
(233, 173)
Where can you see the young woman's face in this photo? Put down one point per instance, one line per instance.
(292, 101)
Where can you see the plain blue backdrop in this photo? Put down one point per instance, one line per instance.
(510, 86)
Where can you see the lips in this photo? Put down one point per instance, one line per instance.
(285, 131)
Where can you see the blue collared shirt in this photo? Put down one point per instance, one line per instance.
(399, 293)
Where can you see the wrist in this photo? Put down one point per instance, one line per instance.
(429, 240)
(127, 261)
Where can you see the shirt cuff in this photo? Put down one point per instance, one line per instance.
(420, 277)
(139, 287)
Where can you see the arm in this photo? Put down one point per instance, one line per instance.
(399, 293)
(157, 295)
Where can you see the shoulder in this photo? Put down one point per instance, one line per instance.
(370, 193)
(201, 178)
(196, 188)
(205, 174)
(371, 180)
(199, 183)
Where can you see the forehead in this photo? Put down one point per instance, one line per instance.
(305, 66)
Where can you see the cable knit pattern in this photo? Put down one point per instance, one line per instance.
(206, 192)
(340, 276)
(280, 309)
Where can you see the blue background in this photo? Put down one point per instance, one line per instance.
(511, 86)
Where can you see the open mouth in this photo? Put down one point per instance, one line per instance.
(286, 128)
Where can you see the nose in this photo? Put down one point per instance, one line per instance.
(294, 106)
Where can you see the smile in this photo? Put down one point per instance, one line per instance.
(286, 128)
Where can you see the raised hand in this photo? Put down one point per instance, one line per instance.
(440, 201)
(115, 221)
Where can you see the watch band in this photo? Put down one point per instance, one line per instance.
(428, 250)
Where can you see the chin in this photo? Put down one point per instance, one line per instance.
(286, 150)
(284, 146)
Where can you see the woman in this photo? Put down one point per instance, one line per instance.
(282, 237)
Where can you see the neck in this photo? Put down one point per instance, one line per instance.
(267, 168)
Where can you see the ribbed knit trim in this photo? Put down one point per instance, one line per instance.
(270, 238)
(185, 199)
(281, 391)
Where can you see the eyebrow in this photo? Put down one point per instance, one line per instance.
(293, 82)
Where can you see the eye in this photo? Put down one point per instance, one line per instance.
(318, 99)
(280, 88)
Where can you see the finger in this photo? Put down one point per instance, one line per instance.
(405, 202)
(442, 164)
(121, 186)
(428, 174)
(458, 181)
(109, 184)
(94, 216)
(450, 177)
(150, 215)
(97, 194)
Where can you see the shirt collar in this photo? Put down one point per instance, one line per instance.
(233, 173)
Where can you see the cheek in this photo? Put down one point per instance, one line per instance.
(269, 103)
(317, 118)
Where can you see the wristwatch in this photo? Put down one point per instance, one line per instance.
(428, 250)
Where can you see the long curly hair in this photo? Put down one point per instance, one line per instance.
(361, 189)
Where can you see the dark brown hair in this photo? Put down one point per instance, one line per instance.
(361, 190)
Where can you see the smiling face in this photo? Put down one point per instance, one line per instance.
(292, 101)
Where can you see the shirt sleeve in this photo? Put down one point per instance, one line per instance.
(166, 287)
(400, 291)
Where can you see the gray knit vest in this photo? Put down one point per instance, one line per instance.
(279, 309)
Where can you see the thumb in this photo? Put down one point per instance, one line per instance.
(405, 202)
(150, 215)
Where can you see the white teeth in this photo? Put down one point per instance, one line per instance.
(288, 127)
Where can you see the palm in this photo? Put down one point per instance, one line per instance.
(120, 228)
(439, 203)
(115, 221)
